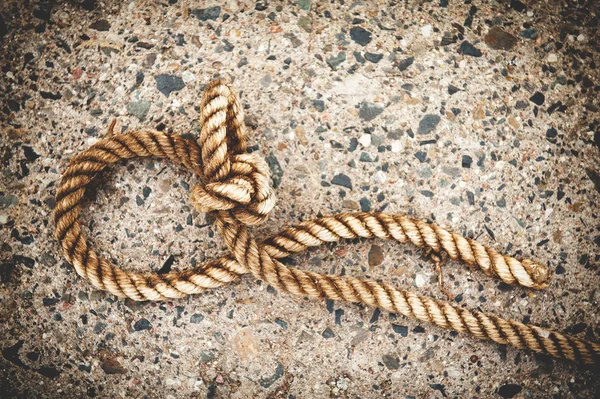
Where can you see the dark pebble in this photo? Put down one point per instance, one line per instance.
(369, 111)
(3, 27)
(91, 131)
(196, 318)
(452, 89)
(342, 180)
(499, 39)
(338, 316)
(167, 84)
(375, 316)
(595, 178)
(43, 11)
(139, 201)
(281, 323)
(139, 78)
(521, 104)
(509, 390)
(50, 372)
(428, 123)
(560, 269)
(576, 328)
(319, 105)
(166, 267)
(99, 327)
(374, 58)
(261, 5)
(402, 330)
(467, 48)
(405, 63)
(336, 60)
(101, 25)
(365, 205)
(538, 98)
(327, 333)
(112, 366)
(204, 14)
(29, 153)
(360, 35)
(418, 330)
(530, 34)
(146, 191)
(50, 301)
(51, 96)
(517, 6)
(227, 46)
(276, 169)
(142, 324)
(392, 362)
(439, 387)
(267, 382)
(421, 156)
(466, 161)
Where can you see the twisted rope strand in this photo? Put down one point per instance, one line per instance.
(236, 186)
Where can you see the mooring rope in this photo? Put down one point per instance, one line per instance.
(236, 188)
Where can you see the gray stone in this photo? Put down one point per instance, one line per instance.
(142, 324)
(267, 382)
(405, 63)
(360, 35)
(337, 60)
(428, 123)
(276, 169)
(369, 111)
(6, 201)
(139, 109)
(167, 84)
(204, 14)
(374, 58)
(342, 180)
(467, 48)
(391, 361)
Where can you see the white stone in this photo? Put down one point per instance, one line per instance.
(188, 77)
(419, 280)
(426, 30)
(580, 38)
(3, 219)
(365, 140)
(552, 57)
(396, 146)
(379, 177)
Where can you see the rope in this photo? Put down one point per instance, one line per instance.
(236, 188)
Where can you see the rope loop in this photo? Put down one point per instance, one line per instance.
(234, 181)
(236, 188)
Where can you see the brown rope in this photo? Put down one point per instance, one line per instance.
(236, 186)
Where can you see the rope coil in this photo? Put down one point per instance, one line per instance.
(236, 188)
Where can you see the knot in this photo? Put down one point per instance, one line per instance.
(235, 183)
(246, 193)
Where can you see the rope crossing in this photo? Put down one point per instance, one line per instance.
(236, 188)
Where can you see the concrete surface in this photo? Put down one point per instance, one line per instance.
(481, 116)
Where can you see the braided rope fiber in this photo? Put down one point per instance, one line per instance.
(236, 188)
